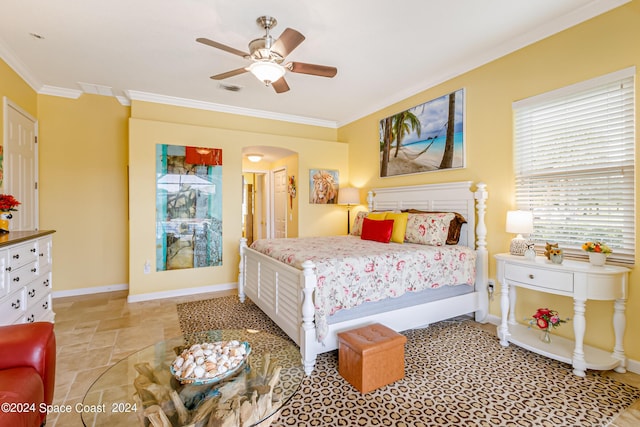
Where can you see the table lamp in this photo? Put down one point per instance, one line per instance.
(349, 196)
(519, 222)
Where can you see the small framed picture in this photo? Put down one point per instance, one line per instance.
(323, 186)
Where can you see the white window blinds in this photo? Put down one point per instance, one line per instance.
(574, 163)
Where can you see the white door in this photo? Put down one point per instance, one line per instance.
(280, 203)
(21, 165)
(260, 211)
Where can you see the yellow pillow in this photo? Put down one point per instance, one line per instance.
(377, 216)
(399, 225)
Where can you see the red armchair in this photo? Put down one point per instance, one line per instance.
(27, 373)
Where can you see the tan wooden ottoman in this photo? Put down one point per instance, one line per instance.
(371, 356)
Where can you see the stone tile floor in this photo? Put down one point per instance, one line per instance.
(95, 331)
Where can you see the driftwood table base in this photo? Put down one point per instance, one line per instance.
(252, 397)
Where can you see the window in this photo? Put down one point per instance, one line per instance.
(574, 164)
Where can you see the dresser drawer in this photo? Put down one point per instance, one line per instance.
(37, 310)
(22, 276)
(22, 254)
(539, 277)
(13, 306)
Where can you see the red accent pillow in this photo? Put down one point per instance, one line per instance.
(377, 230)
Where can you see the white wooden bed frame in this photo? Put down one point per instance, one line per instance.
(285, 293)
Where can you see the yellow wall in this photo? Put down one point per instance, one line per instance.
(17, 90)
(83, 189)
(599, 46)
(191, 116)
(146, 134)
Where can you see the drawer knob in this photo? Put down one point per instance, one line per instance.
(531, 276)
(8, 269)
(16, 304)
(33, 270)
(45, 305)
(33, 250)
(46, 283)
(16, 256)
(16, 279)
(32, 293)
(31, 318)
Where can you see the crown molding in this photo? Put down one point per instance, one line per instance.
(221, 108)
(62, 92)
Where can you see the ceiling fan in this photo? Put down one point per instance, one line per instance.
(268, 55)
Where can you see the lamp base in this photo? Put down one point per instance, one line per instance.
(518, 246)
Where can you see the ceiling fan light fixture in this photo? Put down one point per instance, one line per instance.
(254, 157)
(267, 72)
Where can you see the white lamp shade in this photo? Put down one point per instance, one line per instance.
(348, 196)
(267, 72)
(520, 222)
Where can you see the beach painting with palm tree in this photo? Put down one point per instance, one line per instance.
(428, 137)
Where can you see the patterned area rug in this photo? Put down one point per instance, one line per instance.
(456, 375)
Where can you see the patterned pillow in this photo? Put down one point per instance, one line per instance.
(356, 228)
(454, 228)
(428, 229)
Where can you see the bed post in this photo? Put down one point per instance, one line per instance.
(243, 246)
(482, 265)
(308, 331)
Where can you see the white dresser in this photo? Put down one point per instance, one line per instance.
(25, 277)
(575, 279)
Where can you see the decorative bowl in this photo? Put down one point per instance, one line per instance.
(209, 363)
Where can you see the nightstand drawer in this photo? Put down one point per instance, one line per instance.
(539, 277)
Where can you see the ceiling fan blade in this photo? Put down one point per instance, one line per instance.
(289, 40)
(313, 69)
(222, 47)
(280, 85)
(228, 74)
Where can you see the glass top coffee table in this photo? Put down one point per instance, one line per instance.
(140, 390)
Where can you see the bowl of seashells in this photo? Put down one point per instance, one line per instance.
(208, 363)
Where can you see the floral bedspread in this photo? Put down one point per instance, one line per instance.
(351, 271)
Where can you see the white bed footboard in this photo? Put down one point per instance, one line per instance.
(285, 293)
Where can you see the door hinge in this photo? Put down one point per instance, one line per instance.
(35, 185)
(36, 139)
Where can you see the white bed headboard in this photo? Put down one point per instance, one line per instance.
(447, 197)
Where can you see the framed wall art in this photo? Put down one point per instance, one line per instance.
(188, 207)
(323, 186)
(428, 137)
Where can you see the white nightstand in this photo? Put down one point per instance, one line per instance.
(575, 279)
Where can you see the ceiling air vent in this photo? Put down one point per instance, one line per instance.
(230, 87)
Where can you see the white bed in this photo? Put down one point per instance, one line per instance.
(285, 293)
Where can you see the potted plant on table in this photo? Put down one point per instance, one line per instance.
(8, 203)
(598, 252)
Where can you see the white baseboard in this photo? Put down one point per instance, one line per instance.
(182, 292)
(145, 297)
(632, 365)
(89, 291)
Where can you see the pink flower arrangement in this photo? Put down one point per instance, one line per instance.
(546, 318)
